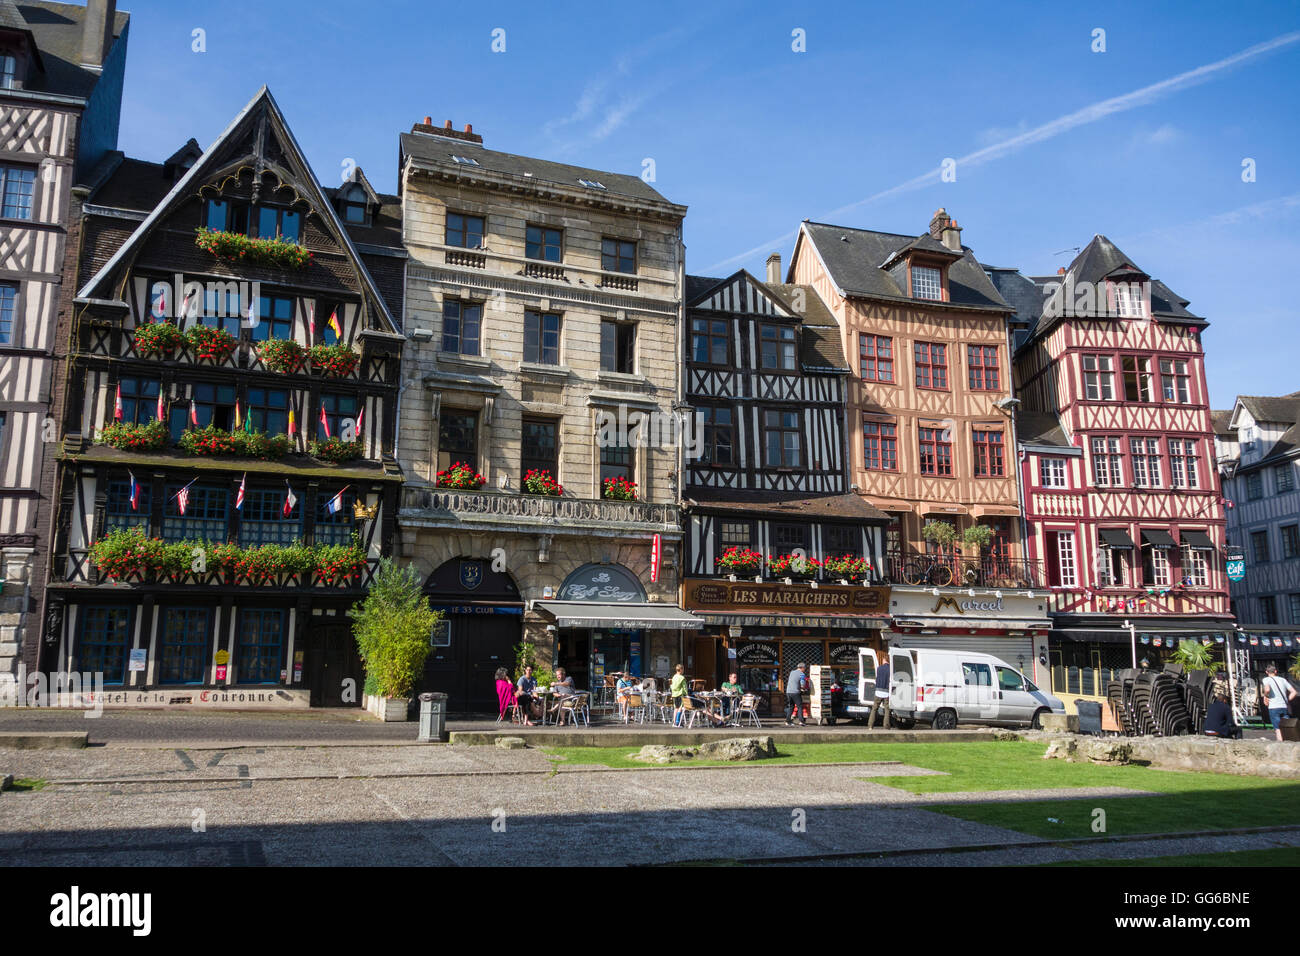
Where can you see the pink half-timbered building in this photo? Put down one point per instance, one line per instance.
(1122, 500)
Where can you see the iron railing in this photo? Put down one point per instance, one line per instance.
(465, 504)
(79, 569)
(959, 571)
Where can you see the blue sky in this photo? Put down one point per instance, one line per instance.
(755, 137)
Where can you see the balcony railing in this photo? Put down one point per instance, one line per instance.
(470, 260)
(244, 356)
(624, 283)
(959, 571)
(79, 569)
(462, 505)
(541, 270)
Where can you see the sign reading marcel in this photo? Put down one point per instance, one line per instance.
(958, 604)
(711, 595)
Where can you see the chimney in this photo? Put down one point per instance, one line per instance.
(97, 32)
(774, 268)
(1060, 271)
(447, 131)
(938, 223)
(944, 228)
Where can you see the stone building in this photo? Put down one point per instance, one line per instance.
(544, 311)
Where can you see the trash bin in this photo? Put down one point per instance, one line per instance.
(433, 717)
(1089, 716)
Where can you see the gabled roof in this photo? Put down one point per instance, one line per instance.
(849, 507)
(106, 283)
(1221, 423)
(56, 29)
(1042, 429)
(1274, 410)
(856, 259)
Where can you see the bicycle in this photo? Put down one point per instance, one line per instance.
(933, 569)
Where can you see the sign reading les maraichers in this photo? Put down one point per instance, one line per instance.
(709, 595)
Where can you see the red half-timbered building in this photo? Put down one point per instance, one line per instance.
(1122, 500)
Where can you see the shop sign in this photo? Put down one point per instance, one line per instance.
(1235, 564)
(845, 653)
(757, 654)
(961, 607)
(477, 609)
(711, 595)
(602, 584)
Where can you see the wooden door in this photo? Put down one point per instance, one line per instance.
(337, 677)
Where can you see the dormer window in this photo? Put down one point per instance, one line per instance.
(352, 205)
(8, 72)
(927, 283)
(1127, 297)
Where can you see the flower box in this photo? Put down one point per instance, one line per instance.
(235, 247)
(156, 338)
(460, 475)
(336, 451)
(619, 489)
(792, 566)
(128, 436)
(337, 361)
(740, 561)
(540, 482)
(848, 568)
(281, 355)
(210, 343)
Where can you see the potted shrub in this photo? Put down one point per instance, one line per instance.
(939, 533)
(538, 481)
(210, 343)
(740, 561)
(127, 553)
(619, 489)
(281, 355)
(334, 450)
(156, 338)
(1195, 656)
(977, 537)
(338, 361)
(848, 568)
(526, 656)
(392, 625)
(235, 247)
(131, 437)
(460, 475)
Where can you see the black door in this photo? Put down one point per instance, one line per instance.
(336, 673)
(464, 666)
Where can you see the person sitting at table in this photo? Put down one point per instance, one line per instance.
(505, 693)
(731, 687)
(524, 691)
(623, 688)
(561, 687)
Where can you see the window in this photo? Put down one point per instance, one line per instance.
(1284, 478)
(931, 365)
(1268, 609)
(617, 346)
(709, 342)
(225, 217)
(880, 446)
(8, 310)
(353, 203)
(1128, 299)
(936, 451)
(336, 527)
(264, 520)
(1156, 570)
(927, 283)
(275, 222)
(1146, 462)
(719, 436)
(213, 405)
(977, 675)
(1098, 378)
(776, 347)
(338, 408)
(222, 308)
(1112, 567)
(261, 645)
(457, 438)
(539, 447)
(1107, 471)
(139, 399)
(465, 232)
(1259, 546)
(618, 255)
(989, 462)
(734, 534)
(1182, 463)
(462, 326)
(1255, 485)
(118, 513)
(1196, 567)
(274, 318)
(982, 363)
(1009, 679)
(8, 72)
(1063, 571)
(787, 537)
(205, 515)
(876, 358)
(17, 184)
(184, 654)
(782, 441)
(545, 244)
(616, 461)
(1051, 472)
(463, 160)
(1174, 381)
(542, 337)
(268, 410)
(839, 539)
(591, 183)
(102, 642)
(1137, 379)
(1290, 541)
(1293, 600)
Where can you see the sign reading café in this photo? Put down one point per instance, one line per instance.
(710, 595)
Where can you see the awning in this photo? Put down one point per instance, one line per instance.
(1198, 540)
(663, 617)
(792, 620)
(1157, 538)
(974, 623)
(1115, 538)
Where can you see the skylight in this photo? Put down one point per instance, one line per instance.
(464, 160)
(591, 184)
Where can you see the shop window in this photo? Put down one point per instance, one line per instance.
(261, 645)
(184, 646)
(102, 640)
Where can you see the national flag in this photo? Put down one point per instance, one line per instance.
(656, 553)
(252, 314)
(239, 496)
(117, 403)
(183, 498)
(293, 428)
(184, 310)
(360, 415)
(311, 321)
(290, 499)
(160, 307)
(236, 428)
(194, 414)
(325, 422)
(334, 324)
(135, 493)
(336, 503)
(162, 406)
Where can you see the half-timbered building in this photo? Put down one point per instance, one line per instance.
(765, 476)
(1122, 500)
(929, 429)
(227, 478)
(61, 73)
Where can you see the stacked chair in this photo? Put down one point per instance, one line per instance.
(1160, 704)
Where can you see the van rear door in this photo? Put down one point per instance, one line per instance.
(902, 680)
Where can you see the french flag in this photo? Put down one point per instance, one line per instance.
(290, 499)
(336, 503)
(135, 492)
(117, 404)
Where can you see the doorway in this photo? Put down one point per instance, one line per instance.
(467, 650)
(336, 674)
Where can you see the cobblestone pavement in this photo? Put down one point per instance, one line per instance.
(456, 805)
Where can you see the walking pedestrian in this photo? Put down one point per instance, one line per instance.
(795, 685)
(1277, 694)
(881, 696)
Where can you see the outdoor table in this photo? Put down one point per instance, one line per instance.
(547, 696)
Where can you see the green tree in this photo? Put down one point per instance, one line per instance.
(1195, 656)
(392, 625)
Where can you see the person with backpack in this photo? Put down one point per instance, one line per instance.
(1278, 692)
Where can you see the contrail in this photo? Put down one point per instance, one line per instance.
(1050, 130)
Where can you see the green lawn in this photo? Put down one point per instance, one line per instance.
(1279, 856)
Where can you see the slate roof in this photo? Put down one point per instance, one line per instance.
(820, 342)
(439, 150)
(1269, 408)
(1040, 428)
(830, 507)
(56, 28)
(855, 258)
(1220, 420)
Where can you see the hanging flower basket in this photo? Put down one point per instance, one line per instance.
(338, 361)
(335, 450)
(848, 568)
(540, 482)
(131, 437)
(740, 561)
(209, 342)
(281, 355)
(156, 338)
(460, 475)
(234, 247)
(619, 489)
(792, 566)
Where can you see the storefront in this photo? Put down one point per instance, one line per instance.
(1010, 625)
(762, 631)
(1254, 650)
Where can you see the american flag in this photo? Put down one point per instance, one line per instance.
(239, 496)
(290, 500)
(183, 498)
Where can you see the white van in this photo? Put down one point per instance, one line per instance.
(940, 687)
